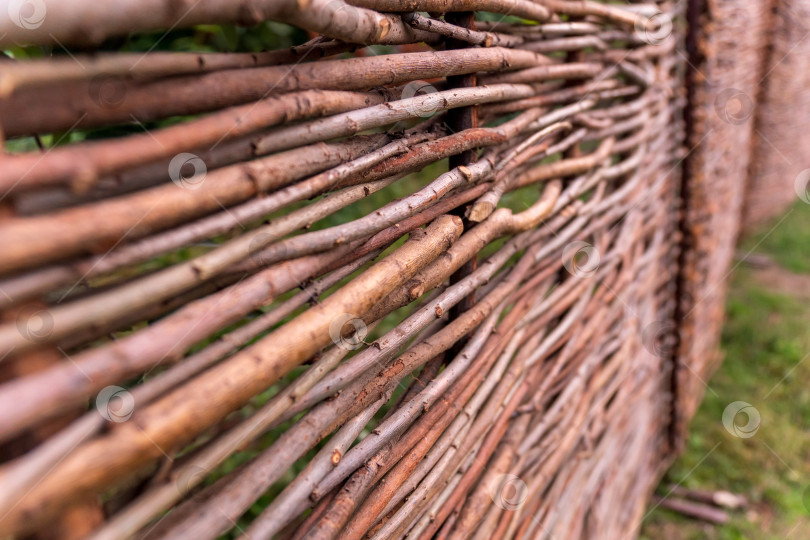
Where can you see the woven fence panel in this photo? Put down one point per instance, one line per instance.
(414, 277)
(721, 110)
(779, 157)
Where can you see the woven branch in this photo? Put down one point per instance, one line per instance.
(284, 294)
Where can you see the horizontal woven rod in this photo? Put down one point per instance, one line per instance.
(83, 164)
(76, 106)
(105, 67)
(86, 23)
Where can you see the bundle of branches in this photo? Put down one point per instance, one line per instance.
(413, 277)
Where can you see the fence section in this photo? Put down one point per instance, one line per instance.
(416, 276)
(721, 135)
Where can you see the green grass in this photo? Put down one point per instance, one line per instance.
(765, 341)
(786, 239)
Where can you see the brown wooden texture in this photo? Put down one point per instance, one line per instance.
(283, 314)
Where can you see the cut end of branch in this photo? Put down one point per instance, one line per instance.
(480, 211)
(385, 27)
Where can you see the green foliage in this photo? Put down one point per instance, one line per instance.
(785, 239)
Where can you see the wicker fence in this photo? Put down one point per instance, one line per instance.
(779, 161)
(419, 276)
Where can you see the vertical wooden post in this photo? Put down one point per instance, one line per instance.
(459, 120)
